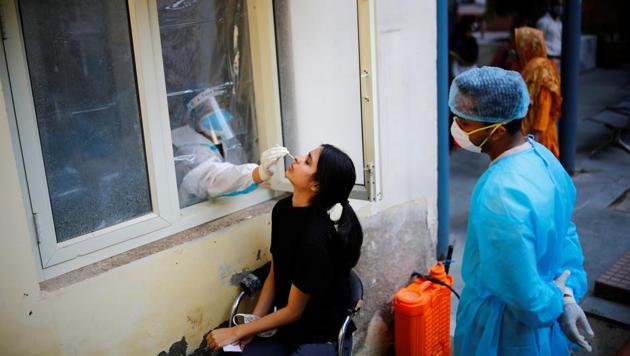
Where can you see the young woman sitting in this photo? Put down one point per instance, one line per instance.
(311, 260)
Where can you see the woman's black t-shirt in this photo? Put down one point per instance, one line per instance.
(304, 255)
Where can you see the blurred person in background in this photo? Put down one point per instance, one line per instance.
(543, 82)
(463, 48)
(551, 26)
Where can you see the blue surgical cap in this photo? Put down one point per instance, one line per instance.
(489, 94)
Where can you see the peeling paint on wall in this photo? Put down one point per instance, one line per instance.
(195, 318)
(178, 348)
(236, 278)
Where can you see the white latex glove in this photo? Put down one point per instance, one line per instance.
(561, 281)
(269, 159)
(572, 317)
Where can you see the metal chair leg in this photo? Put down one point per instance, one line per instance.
(234, 310)
(342, 336)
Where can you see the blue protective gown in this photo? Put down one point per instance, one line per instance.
(520, 238)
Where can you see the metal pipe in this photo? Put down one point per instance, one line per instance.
(570, 80)
(342, 336)
(442, 127)
(234, 310)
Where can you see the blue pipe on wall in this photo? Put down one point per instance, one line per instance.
(443, 129)
(570, 80)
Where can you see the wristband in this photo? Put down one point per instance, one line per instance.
(567, 299)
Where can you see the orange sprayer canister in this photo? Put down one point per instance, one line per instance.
(422, 316)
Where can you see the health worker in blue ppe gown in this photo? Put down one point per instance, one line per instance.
(522, 265)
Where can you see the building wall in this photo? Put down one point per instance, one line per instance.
(401, 230)
(144, 306)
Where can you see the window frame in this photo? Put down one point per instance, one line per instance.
(366, 30)
(167, 218)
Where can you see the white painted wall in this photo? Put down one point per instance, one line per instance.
(142, 307)
(325, 78)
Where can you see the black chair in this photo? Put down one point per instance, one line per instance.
(251, 284)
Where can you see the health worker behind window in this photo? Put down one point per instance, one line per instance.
(312, 254)
(209, 159)
(522, 264)
(203, 173)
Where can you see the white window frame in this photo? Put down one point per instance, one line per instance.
(167, 218)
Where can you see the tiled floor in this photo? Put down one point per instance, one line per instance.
(614, 284)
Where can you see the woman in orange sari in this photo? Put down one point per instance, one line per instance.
(543, 81)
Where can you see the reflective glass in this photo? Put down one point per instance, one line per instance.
(208, 73)
(83, 81)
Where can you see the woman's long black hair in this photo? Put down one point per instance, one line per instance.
(336, 177)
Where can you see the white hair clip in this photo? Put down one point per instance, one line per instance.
(334, 213)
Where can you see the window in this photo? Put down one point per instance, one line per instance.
(208, 74)
(82, 72)
(325, 57)
(117, 102)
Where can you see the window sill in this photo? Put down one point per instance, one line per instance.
(149, 249)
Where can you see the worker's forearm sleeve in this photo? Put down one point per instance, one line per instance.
(573, 260)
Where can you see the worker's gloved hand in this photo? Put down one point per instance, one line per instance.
(572, 317)
(269, 159)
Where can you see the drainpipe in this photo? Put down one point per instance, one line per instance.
(442, 125)
(570, 80)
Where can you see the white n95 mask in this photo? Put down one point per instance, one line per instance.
(463, 138)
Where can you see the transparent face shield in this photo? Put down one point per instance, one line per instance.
(213, 121)
(209, 117)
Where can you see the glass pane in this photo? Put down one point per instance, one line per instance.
(318, 68)
(83, 80)
(208, 72)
